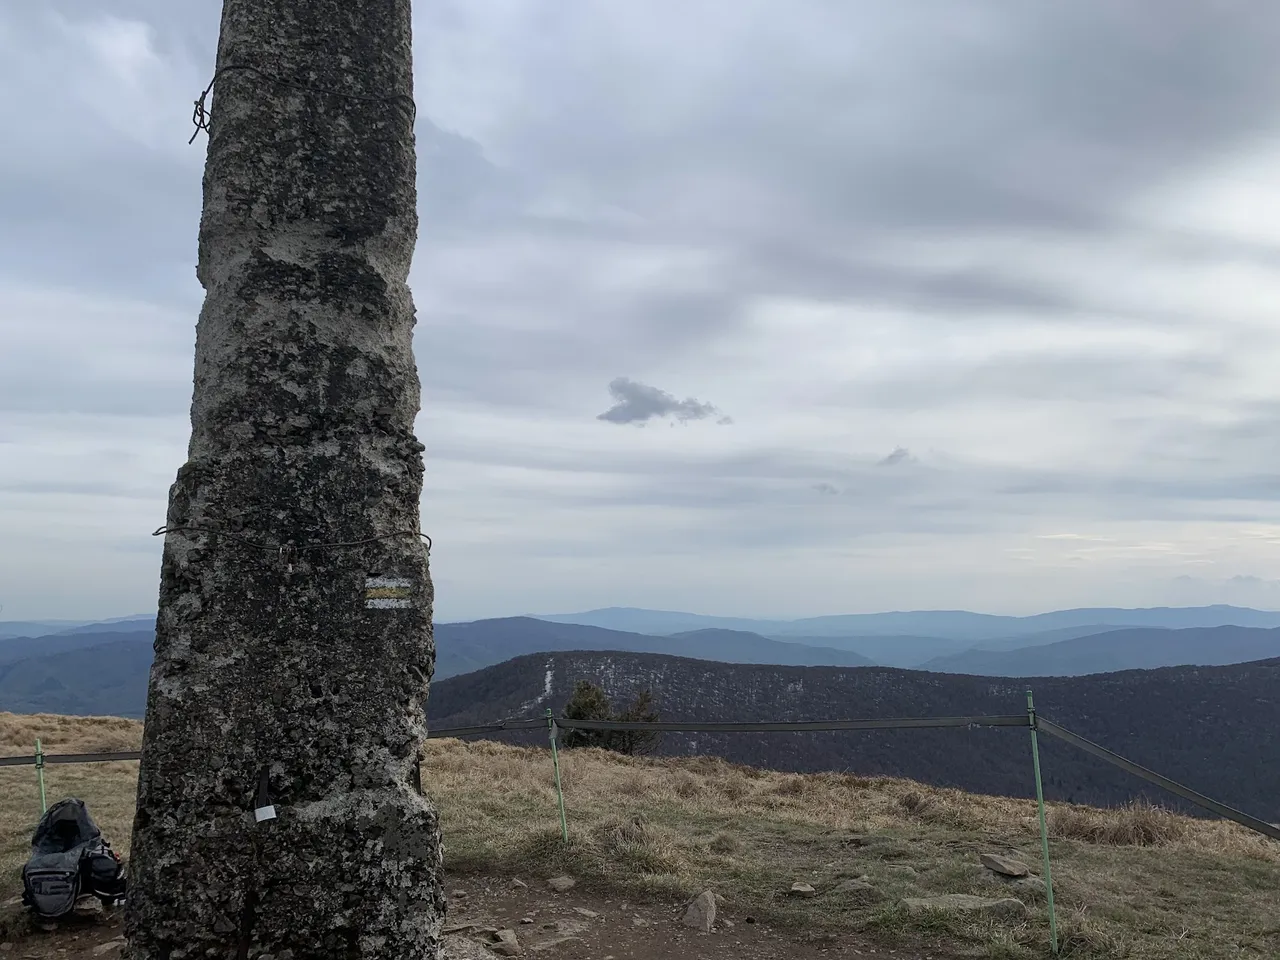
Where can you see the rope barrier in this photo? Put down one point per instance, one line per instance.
(798, 726)
(1199, 799)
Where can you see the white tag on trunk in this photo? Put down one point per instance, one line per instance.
(265, 813)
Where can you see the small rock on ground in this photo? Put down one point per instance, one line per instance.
(562, 884)
(802, 889)
(701, 913)
(89, 908)
(1006, 866)
(458, 948)
(506, 945)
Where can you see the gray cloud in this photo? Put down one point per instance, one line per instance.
(898, 455)
(639, 403)
(836, 220)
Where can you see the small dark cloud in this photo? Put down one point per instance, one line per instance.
(639, 403)
(899, 455)
(826, 489)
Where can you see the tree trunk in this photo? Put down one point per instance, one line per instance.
(294, 631)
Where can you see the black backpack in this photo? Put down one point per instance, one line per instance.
(69, 857)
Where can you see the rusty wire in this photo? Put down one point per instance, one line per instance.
(287, 548)
(200, 115)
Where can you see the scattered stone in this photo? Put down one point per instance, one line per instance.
(468, 927)
(1005, 866)
(457, 949)
(1006, 908)
(550, 925)
(639, 922)
(108, 947)
(89, 908)
(518, 884)
(505, 944)
(701, 913)
(728, 924)
(802, 889)
(459, 893)
(583, 911)
(526, 919)
(562, 884)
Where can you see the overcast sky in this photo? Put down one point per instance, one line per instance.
(734, 306)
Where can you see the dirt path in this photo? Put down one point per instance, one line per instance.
(558, 926)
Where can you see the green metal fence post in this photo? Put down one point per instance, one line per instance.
(1044, 828)
(555, 760)
(44, 803)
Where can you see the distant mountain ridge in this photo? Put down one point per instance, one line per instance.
(85, 675)
(1138, 649)
(29, 628)
(60, 673)
(464, 647)
(950, 624)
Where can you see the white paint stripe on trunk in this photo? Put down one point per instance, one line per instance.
(386, 582)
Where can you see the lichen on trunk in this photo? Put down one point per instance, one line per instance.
(294, 630)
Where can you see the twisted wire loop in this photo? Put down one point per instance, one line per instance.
(286, 551)
(200, 115)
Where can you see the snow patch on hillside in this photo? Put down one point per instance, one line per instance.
(546, 689)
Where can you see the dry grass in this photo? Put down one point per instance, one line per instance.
(1137, 882)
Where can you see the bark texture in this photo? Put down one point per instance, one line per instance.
(312, 663)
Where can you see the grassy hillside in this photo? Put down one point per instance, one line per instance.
(1136, 883)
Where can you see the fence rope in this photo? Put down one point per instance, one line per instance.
(1199, 799)
(798, 726)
